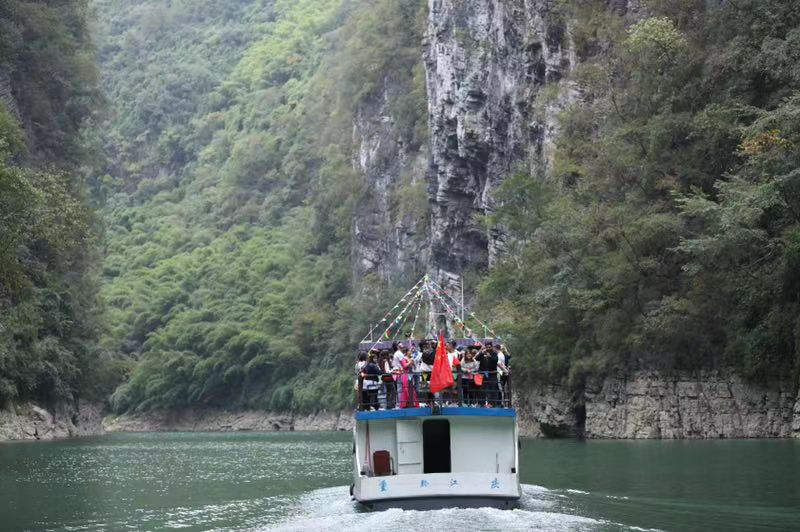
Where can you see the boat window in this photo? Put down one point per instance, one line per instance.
(436, 446)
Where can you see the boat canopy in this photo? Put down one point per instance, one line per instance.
(425, 310)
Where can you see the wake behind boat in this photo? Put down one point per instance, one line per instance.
(434, 427)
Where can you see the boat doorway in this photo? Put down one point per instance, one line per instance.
(436, 446)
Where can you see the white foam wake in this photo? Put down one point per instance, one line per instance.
(331, 509)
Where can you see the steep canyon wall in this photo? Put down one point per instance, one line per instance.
(650, 404)
(486, 63)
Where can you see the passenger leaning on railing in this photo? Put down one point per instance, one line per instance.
(388, 385)
(406, 390)
(425, 367)
(370, 375)
(360, 363)
(469, 367)
(397, 357)
(451, 394)
(402, 378)
(503, 367)
(488, 359)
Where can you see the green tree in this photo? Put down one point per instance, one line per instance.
(664, 234)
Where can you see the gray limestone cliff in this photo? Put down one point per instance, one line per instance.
(649, 404)
(486, 62)
(29, 421)
(496, 79)
(217, 420)
(389, 232)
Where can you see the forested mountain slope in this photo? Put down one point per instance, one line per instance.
(227, 272)
(617, 179)
(49, 323)
(666, 233)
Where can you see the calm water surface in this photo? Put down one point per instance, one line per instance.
(297, 481)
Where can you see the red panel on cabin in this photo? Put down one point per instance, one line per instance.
(382, 463)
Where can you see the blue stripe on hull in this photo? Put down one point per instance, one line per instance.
(445, 411)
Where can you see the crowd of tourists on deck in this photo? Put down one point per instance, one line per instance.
(400, 377)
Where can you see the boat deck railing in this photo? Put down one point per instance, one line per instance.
(390, 391)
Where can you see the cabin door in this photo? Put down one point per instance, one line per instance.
(409, 447)
(436, 454)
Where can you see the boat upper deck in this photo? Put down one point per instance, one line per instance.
(402, 413)
(471, 390)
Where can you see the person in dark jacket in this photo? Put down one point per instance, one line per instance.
(371, 375)
(487, 360)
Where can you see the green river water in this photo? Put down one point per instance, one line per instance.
(299, 481)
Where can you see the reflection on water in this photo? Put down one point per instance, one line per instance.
(296, 481)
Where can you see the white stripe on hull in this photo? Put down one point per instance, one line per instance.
(449, 485)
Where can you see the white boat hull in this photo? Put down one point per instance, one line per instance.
(438, 490)
(472, 463)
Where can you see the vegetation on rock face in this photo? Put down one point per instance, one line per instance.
(668, 234)
(48, 304)
(227, 275)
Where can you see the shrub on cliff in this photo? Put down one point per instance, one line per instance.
(667, 235)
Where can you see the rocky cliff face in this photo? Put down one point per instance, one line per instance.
(29, 421)
(213, 420)
(388, 238)
(486, 62)
(646, 404)
(487, 65)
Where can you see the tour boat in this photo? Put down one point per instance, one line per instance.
(448, 451)
(423, 459)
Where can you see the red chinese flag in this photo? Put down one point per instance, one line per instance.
(442, 376)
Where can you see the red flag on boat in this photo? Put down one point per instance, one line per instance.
(442, 375)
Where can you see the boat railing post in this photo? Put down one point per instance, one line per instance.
(360, 393)
(508, 389)
(460, 390)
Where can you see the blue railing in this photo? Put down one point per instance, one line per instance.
(399, 390)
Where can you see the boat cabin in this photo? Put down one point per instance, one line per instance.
(423, 458)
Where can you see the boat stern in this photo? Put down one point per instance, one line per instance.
(455, 458)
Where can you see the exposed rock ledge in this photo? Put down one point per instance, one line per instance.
(28, 421)
(644, 404)
(647, 404)
(217, 420)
